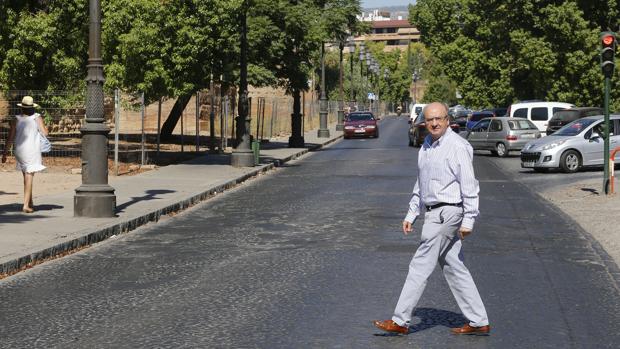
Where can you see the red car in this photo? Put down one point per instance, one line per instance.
(361, 124)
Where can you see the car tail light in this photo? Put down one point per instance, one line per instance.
(511, 138)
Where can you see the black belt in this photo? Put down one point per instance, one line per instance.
(442, 204)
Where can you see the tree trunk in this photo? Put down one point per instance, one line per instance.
(174, 116)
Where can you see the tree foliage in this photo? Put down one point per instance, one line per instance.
(496, 52)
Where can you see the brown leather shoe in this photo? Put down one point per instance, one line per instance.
(477, 331)
(391, 326)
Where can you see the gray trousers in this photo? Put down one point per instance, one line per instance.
(440, 243)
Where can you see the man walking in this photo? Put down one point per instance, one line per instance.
(447, 189)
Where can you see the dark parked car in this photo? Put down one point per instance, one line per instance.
(566, 116)
(461, 116)
(476, 116)
(418, 131)
(497, 111)
(361, 124)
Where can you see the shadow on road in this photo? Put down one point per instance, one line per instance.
(430, 318)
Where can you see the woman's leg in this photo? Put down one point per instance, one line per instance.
(28, 192)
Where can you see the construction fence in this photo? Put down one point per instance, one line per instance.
(207, 122)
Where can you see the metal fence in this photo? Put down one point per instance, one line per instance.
(207, 122)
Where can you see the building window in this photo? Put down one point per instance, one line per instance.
(391, 30)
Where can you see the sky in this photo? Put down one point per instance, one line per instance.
(381, 3)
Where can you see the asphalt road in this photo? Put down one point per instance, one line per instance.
(307, 256)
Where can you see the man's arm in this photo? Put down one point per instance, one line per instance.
(414, 208)
(464, 172)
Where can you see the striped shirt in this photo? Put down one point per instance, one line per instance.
(446, 175)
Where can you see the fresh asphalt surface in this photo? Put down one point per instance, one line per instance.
(307, 256)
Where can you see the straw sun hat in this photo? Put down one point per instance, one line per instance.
(27, 102)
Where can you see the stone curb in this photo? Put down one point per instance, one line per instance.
(68, 247)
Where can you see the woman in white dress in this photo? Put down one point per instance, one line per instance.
(24, 131)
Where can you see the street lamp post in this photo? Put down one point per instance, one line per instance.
(386, 76)
(351, 45)
(242, 155)
(361, 58)
(323, 131)
(340, 125)
(368, 78)
(94, 198)
(416, 77)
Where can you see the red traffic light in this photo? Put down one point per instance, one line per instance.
(608, 40)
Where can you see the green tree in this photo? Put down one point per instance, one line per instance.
(497, 52)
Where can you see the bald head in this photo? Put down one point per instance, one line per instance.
(437, 109)
(436, 119)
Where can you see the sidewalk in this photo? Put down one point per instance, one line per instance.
(52, 231)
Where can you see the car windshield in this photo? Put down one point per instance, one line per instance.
(566, 115)
(521, 125)
(360, 117)
(575, 127)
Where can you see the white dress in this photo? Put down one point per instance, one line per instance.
(27, 144)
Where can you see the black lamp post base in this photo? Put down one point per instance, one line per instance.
(94, 204)
(323, 133)
(242, 158)
(296, 142)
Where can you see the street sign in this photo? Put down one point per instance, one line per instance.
(371, 96)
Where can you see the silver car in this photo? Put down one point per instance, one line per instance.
(573, 146)
(500, 135)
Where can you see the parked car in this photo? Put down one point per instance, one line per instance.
(500, 135)
(476, 116)
(460, 117)
(418, 131)
(537, 112)
(566, 116)
(361, 124)
(573, 146)
(416, 109)
(497, 111)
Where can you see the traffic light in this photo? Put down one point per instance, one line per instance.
(608, 40)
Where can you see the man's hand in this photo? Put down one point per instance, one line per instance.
(463, 232)
(407, 227)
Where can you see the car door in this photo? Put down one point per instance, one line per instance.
(614, 140)
(495, 134)
(478, 135)
(592, 150)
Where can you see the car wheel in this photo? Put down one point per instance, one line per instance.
(501, 150)
(570, 161)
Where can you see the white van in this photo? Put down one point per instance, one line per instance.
(537, 112)
(416, 109)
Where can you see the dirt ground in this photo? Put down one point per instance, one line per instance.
(594, 211)
(56, 178)
(63, 174)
